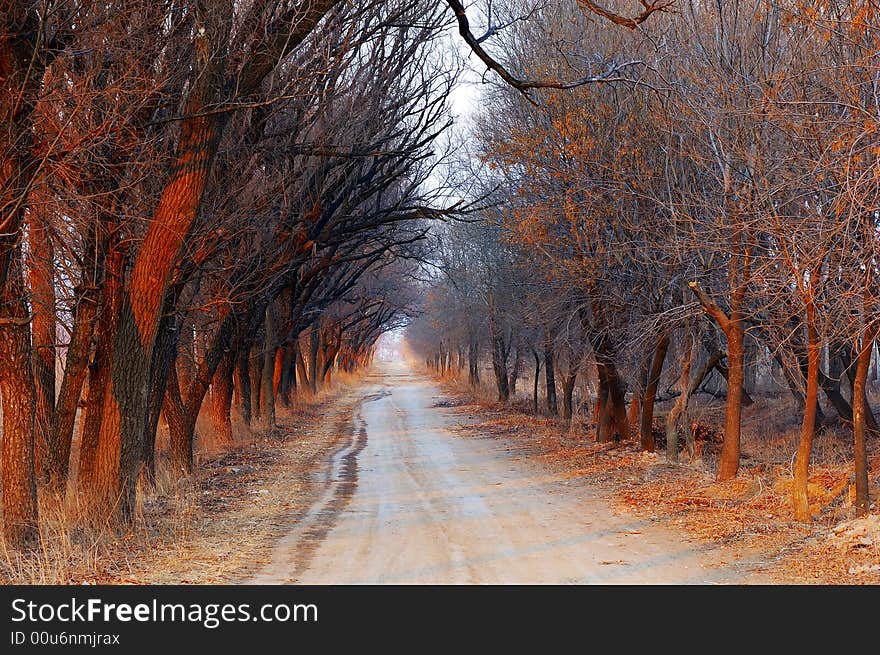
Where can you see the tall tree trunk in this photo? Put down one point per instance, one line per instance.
(164, 357)
(179, 419)
(20, 521)
(243, 378)
(87, 298)
(499, 364)
(568, 382)
(728, 465)
(473, 362)
(732, 326)
(120, 447)
(99, 369)
(604, 420)
(615, 402)
(301, 367)
(221, 400)
(517, 368)
(647, 425)
(678, 416)
(802, 464)
(288, 373)
(314, 347)
(550, 379)
(860, 452)
(537, 377)
(268, 400)
(41, 272)
(255, 369)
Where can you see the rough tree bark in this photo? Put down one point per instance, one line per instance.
(20, 521)
(221, 400)
(41, 273)
(99, 369)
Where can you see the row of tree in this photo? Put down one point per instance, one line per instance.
(710, 208)
(198, 195)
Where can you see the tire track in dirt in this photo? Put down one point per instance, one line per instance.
(295, 550)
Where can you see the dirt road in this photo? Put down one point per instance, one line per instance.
(407, 501)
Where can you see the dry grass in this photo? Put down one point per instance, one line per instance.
(182, 527)
(752, 512)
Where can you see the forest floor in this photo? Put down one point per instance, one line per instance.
(750, 515)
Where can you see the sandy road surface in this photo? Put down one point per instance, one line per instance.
(407, 501)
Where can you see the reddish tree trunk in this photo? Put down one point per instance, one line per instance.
(647, 425)
(41, 272)
(20, 524)
(728, 464)
(860, 412)
(181, 424)
(802, 463)
(221, 400)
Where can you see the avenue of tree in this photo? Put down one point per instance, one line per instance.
(707, 214)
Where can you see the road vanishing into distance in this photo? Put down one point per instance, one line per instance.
(409, 501)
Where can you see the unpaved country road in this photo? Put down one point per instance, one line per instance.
(409, 502)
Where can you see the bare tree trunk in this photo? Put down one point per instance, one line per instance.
(635, 403)
(729, 461)
(243, 377)
(314, 346)
(550, 379)
(255, 374)
(860, 452)
(732, 326)
(180, 426)
(221, 400)
(86, 298)
(268, 400)
(499, 364)
(604, 420)
(164, 357)
(99, 369)
(301, 368)
(517, 369)
(20, 521)
(802, 464)
(41, 272)
(473, 362)
(647, 425)
(677, 416)
(288, 373)
(537, 376)
(568, 382)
